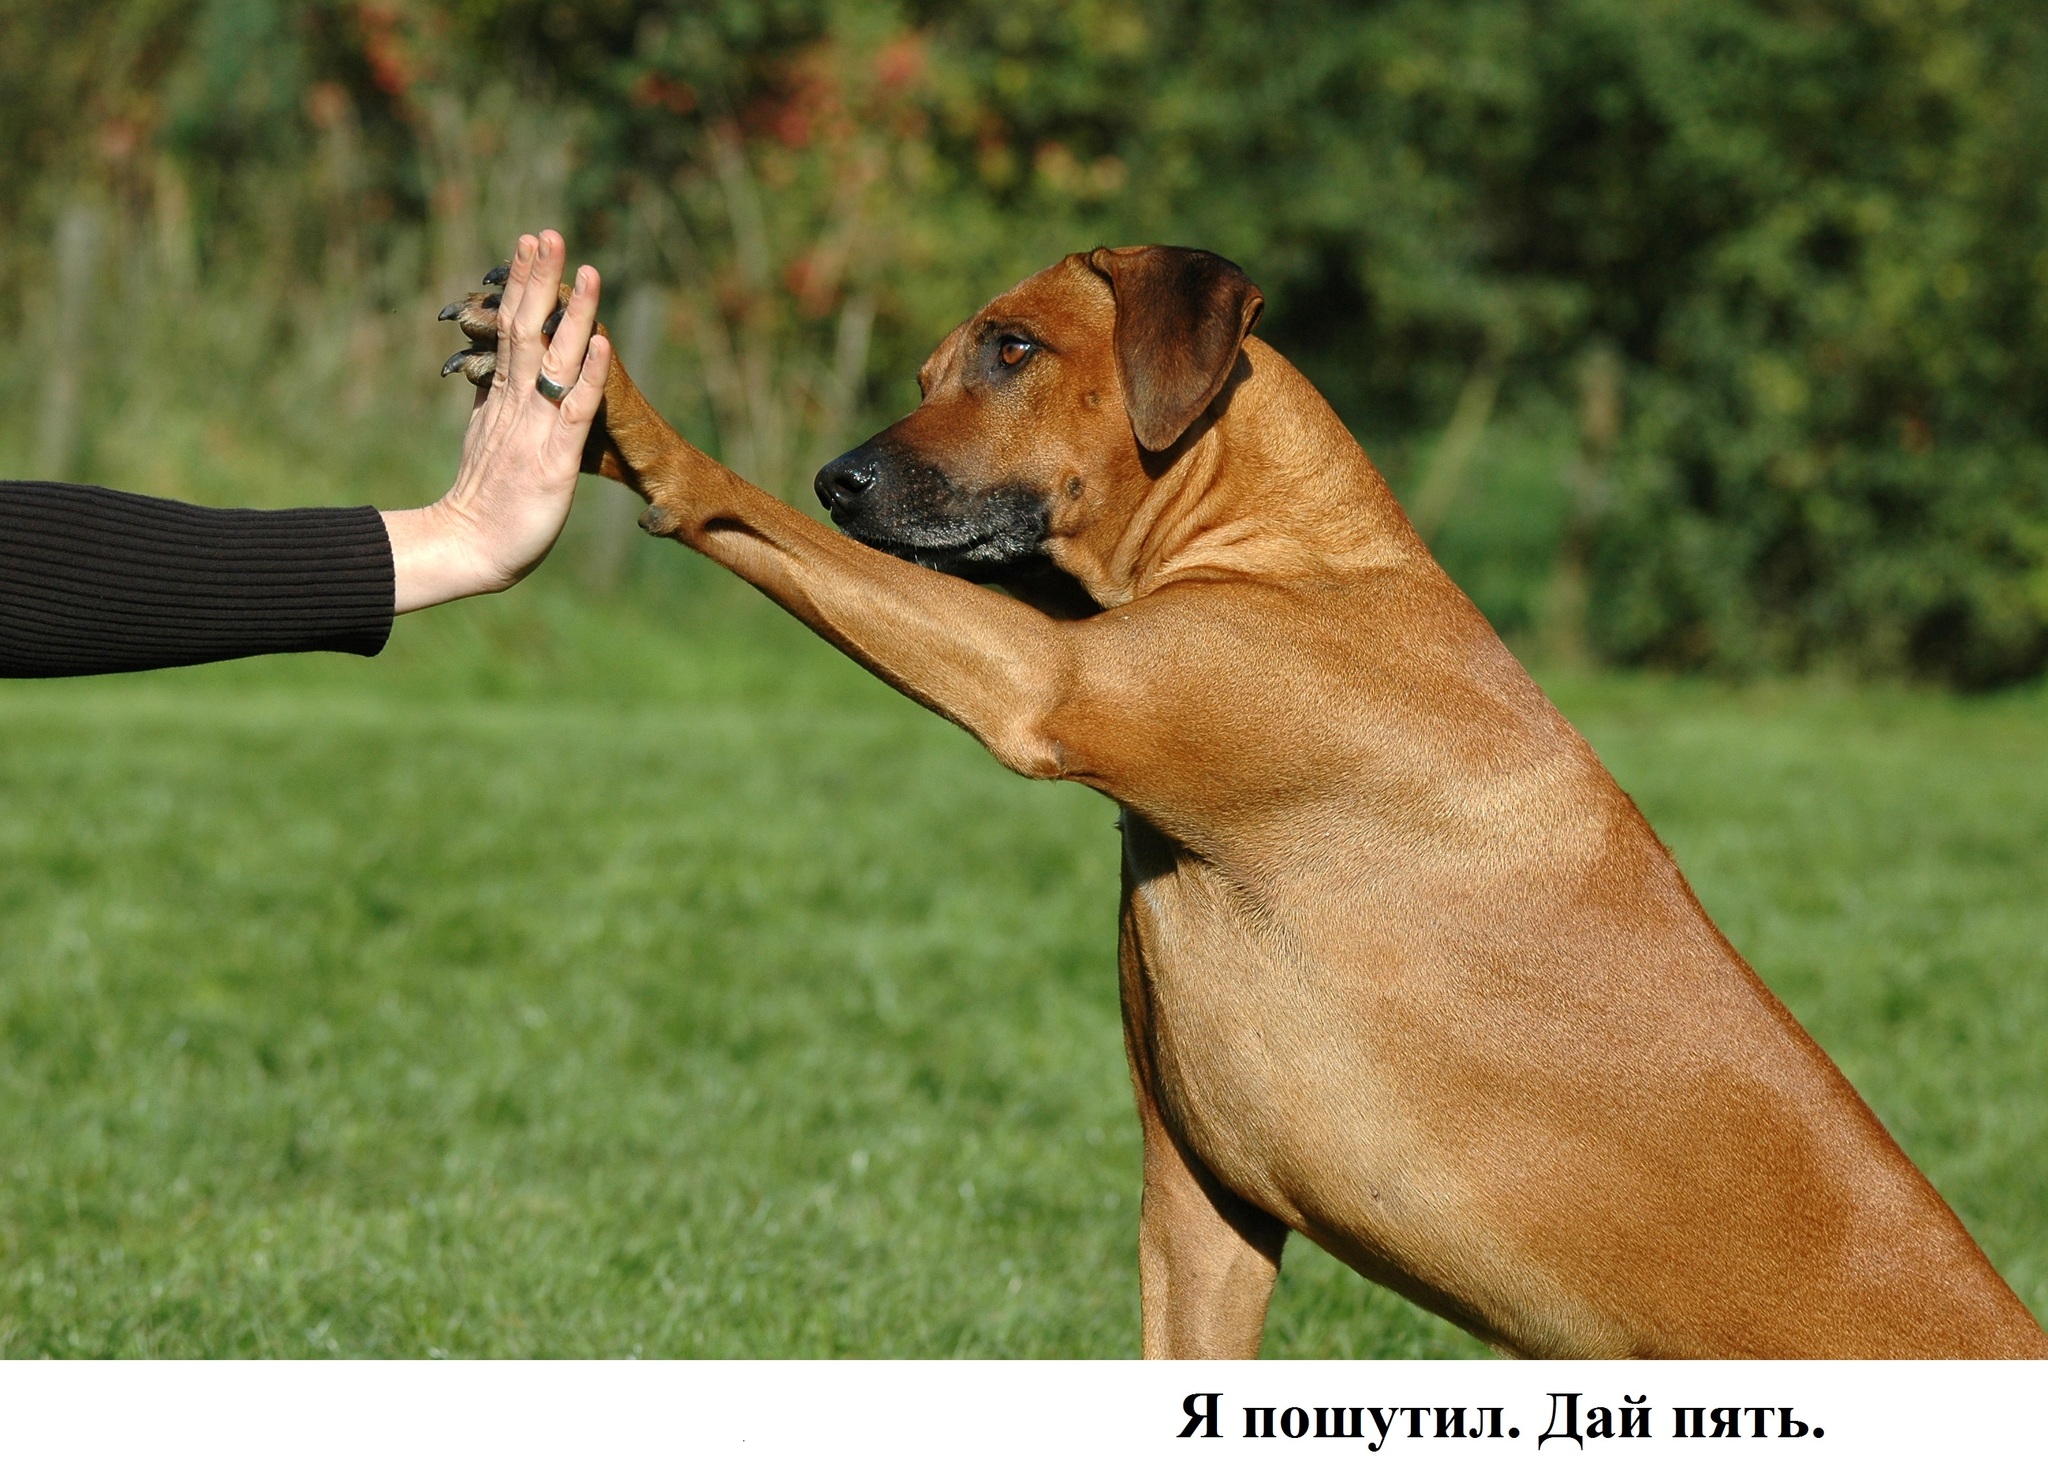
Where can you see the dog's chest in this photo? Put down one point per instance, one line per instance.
(1267, 1053)
(1253, 1051)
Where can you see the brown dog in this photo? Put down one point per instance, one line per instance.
(1403, 968)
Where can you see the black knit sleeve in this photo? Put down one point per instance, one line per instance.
(92, 581)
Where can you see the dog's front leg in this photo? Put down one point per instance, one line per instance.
(1049, 697)
(1207, 1259)
(987, 661)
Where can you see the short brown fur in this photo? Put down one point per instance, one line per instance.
(1403, 969)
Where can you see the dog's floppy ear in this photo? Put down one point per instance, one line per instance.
(1181, 316)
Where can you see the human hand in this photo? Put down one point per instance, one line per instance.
(520, 454)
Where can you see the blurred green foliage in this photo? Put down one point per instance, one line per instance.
(1707, 334)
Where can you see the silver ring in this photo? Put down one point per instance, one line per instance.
(550, 389)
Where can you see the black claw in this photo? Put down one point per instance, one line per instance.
(454, 363)
(497, 275)
(452, 310)
(490, 302)
(550, 326)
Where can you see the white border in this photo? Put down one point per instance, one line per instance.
(993, 1412)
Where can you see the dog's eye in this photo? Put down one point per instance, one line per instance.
(1012, 351)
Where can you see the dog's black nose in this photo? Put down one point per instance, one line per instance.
(842, 482)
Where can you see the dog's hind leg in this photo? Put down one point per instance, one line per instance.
(1206, 1258)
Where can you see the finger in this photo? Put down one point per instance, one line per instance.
(516, 276)
(580, 407)
(564, 356)
(522, 322)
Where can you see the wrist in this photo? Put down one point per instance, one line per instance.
(433, 558)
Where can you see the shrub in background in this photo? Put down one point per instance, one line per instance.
(1704, 333)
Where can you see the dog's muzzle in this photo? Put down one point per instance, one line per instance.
(886, 497)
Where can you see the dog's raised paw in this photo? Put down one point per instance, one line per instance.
(475, 363)
(659, 521)
(474, 313)
(477, 315)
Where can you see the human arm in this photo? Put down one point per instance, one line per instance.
(94, 581)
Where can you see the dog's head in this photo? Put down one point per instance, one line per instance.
(1048, 410)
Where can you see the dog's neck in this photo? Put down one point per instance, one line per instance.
(1300, 504)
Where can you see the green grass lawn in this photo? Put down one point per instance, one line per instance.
(581, 982)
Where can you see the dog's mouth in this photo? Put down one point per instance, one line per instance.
(979, 552)
(911, 509)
